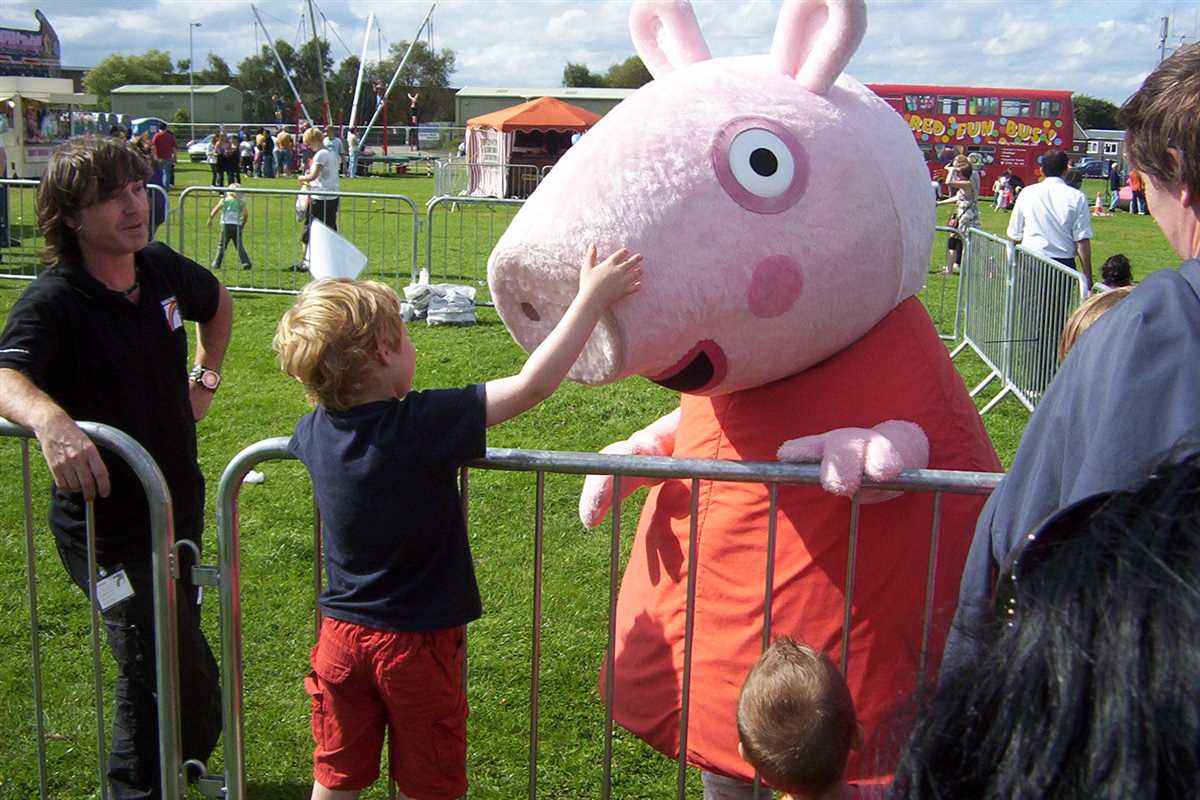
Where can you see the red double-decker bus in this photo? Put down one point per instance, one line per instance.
(998, 129)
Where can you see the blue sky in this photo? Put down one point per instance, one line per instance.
(1098, 47)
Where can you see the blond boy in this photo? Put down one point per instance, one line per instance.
(401, 585)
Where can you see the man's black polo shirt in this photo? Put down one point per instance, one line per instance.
(103, 359)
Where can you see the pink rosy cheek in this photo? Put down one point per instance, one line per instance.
(775, 286)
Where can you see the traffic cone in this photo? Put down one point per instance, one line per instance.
(1098, 209)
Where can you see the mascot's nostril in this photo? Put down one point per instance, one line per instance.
(530, 312)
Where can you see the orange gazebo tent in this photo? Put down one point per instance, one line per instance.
(502, 166)
(543, 113)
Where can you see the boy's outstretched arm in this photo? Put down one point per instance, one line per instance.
(600, 285)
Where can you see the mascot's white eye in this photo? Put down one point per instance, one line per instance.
(761, 162)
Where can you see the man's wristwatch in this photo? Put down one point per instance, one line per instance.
(208, 378)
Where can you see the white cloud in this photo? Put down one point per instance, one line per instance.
(1088, 46)
(568, 25)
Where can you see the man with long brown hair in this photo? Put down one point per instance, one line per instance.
(100, 336)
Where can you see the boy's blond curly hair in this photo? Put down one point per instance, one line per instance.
(328, 338)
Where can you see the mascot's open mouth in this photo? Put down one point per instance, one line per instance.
(701, 367)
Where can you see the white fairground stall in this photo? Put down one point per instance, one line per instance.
(37, 115)
(512, 146)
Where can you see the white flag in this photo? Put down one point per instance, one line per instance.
(331, 255)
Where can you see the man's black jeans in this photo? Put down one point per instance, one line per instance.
(133, 766)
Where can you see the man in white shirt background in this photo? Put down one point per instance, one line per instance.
(1053, 220)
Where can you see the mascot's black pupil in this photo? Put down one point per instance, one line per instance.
(763, 162)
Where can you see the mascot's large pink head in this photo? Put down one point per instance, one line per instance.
(782, 209)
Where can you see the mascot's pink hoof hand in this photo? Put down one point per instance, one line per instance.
(596, 498)
(847, 454)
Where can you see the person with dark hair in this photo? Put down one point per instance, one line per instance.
(1052, 218)
(1086, 685)
(964, 182)
(796, 723)
(100, 336)
(1128, 391)
(1114, 185)
(164, 146)
(1115, 273)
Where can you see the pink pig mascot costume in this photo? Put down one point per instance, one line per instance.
(785, 218)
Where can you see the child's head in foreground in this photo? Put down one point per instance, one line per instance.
(342, 339)
(796, 720)
(1086, 315)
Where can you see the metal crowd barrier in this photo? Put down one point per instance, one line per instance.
(382, 226)
(164, 567)
(21, 241)
(942, 293)
(460, 233)
(1014, 306)
(471, 179)
(540, 462)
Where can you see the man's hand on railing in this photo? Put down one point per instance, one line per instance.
(73, 459)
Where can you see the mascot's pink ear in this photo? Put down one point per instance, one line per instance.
(666, 35)
(814, 40)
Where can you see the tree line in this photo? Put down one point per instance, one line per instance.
(259, 79)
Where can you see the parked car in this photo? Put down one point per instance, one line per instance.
(1091, 167)
(197, 149)
(147, 125)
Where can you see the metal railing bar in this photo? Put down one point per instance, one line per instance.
(536, 655)
(718, 470)
(610, 653)
(688, 634)
(35, 650)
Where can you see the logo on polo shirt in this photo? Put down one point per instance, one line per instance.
(171, 311)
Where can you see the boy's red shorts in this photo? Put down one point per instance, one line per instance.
(365, 681)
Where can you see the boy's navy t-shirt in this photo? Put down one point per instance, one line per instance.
(385, 476)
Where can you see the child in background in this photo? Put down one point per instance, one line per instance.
(1086, 315)
(233, 221)
(797, 724)
(1116, 272)
(384, 462)
(246, 153)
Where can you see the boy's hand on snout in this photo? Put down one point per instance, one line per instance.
(615, 277)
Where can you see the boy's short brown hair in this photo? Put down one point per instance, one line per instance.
(796, 720)
(82, 172)
(328, 338)
(1162, 131)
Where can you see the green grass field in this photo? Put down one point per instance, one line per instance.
(255, 402)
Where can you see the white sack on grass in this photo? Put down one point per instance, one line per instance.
(331, 255)
(442, 303)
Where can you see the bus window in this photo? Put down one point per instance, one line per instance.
(984, 106)
(927, 152)
(944, 153)
(919, 103)
(985, 155)
(1014, 107)
(952, 105)
(1048, 109)
(6, 117)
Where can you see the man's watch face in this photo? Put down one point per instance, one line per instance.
(209, 379)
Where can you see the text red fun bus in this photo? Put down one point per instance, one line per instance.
(998, 129)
